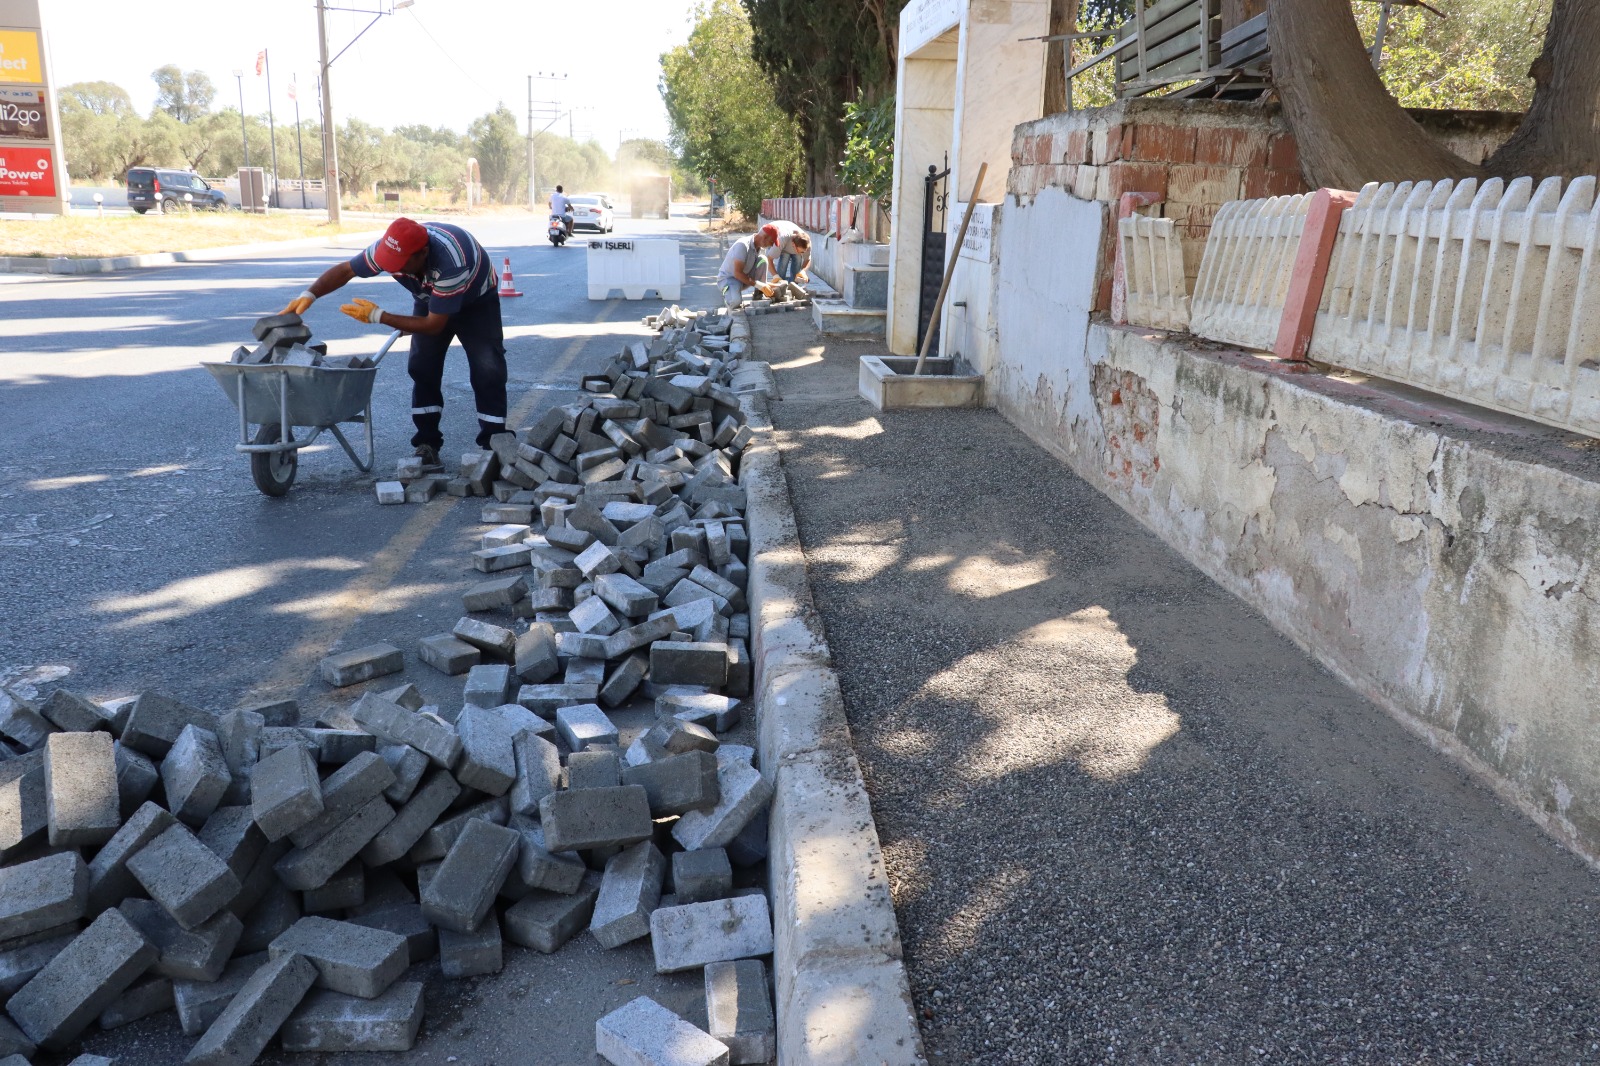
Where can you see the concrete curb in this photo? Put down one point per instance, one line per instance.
(64, 265)
(843, 998)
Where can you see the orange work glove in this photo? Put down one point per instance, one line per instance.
(363, 311)
(300, 304)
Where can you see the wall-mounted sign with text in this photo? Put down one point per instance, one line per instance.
(27, 171)
(19, 57)
(980, 232)
(24, 115)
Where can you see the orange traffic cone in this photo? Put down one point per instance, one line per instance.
(506, 286)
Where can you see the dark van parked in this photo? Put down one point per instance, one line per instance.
(148, 186)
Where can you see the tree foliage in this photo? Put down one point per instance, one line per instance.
(1349, 123)
(1476, 58)
(501, 151)
(868, 162)
(184, 96)
(725, 121)
(822, 55)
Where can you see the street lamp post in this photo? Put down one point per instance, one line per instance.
(244, 135)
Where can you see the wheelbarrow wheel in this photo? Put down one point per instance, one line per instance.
(273, 471)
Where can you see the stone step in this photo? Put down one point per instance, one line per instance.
(835, 317)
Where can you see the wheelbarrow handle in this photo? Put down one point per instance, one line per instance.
(387, 344)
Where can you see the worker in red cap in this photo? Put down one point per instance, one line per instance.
(455, 296)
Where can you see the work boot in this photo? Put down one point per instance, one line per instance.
(429, 456)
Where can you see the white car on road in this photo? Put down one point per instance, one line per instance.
(592, 210)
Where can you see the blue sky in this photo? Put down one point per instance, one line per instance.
(439, 62)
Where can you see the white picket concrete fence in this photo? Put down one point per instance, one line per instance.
(1245, 271)
(1152, 256)
(1488, 292)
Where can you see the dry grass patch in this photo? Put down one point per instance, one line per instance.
(86, 237)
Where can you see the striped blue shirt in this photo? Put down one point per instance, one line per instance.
(457, 272)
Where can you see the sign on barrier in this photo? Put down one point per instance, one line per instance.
(635, 267)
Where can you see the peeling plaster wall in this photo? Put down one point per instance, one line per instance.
(1436, 558)
(1050, 252)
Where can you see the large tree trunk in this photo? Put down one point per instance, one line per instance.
(1561, 132)
(1349, 129)
(1063, 19)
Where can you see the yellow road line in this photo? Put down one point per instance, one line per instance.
(296, 667)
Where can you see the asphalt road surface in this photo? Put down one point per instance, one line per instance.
(136, 553)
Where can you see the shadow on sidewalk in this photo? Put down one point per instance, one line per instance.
(1125, 819)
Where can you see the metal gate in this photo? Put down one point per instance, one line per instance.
(934, 191)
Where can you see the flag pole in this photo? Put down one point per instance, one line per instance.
(272, 133)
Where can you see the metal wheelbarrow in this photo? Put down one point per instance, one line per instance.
(279, 399)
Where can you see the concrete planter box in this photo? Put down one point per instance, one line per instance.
(890, 383)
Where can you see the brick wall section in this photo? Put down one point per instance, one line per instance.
(1198, 155)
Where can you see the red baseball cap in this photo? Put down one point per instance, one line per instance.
(402, 240)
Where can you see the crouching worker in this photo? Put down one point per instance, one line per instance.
(742, 267)
(455, 296)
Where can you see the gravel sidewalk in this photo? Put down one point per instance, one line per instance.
(1125, 820)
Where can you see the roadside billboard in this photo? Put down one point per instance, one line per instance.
(19, 57)
(33, 165)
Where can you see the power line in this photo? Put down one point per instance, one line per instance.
(427, 33)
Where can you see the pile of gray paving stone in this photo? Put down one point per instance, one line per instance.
(286, 341)
(267, 878)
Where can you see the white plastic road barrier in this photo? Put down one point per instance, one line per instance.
(1488, 293)
(1157, 291)
(635, 266)
(1245, 271)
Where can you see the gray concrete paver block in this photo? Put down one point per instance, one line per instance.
(82, 803)
(285, 792)
(309, 867)
(199, 1002)
(233, 836)
(739, 1011)
(448, 654)
(545, 920)
(251, 1019)
(395, 724)
(595, 818)
(678, 784)
(474, 952)
(333, 1022)
(195, 775)
(147, 996)
(701, 876)
(184, 876)
(629, 890)
(198, 954)
(42, 894)
(109, 878)
(412, 820)
(84, 979)
(347, 790)
(585, 724)
(745, 795)
(644, 1033)
(693, 935)
(361, 664)
(357, 960)
(464, 887)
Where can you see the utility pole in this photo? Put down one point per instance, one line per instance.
(330, 147)
(533, 183)
(272, 131)
(299, 146)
